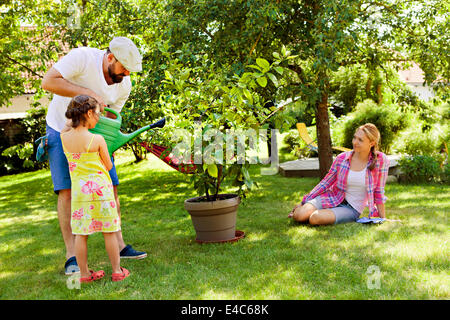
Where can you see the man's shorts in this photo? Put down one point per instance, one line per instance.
(344, 212)
(58, 163)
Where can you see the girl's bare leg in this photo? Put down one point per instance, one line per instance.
(81, 255)
(112, 248)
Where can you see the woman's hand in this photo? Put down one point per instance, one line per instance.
(381, 210)
(291, 214)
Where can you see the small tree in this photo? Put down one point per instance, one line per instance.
(199, 99)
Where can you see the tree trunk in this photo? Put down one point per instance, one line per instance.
(323, 136)
(138, 152)
(368, 86)
(380, 93)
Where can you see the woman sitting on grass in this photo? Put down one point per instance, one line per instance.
(356, 179)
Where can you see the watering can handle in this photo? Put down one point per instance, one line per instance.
(117, 114)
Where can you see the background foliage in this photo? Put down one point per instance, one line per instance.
(340, 52)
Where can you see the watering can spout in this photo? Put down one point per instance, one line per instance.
(130, 136)
(110, 130)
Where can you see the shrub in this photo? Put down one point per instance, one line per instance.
(415, 142)
(387, 118)
(296, 146)
(445, 177)
(427, 133)
(419, 169)
(20, 156)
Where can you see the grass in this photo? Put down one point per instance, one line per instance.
(278, 259)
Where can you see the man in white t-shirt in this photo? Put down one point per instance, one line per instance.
(103, 75)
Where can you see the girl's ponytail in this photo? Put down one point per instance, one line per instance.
(373, 163)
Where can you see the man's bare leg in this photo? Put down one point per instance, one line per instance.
(64, 211)
(119, 236)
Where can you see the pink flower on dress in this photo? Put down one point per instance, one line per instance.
(113, 204)
(95, 225)
(76, 156)
(77, 214)
(72, 166)
(99, 172)
(107, 224)
(91, 207)
(92, 187)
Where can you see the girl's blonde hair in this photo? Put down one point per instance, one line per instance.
(372, 133)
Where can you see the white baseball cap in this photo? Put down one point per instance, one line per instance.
(127, 53)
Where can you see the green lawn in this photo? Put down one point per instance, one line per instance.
(277, 260)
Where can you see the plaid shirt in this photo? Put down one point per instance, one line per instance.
(332, 188)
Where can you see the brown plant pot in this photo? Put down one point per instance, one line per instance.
(214, 220)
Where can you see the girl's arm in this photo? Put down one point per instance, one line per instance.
(104, 154)
(327, 181)
(383, 170)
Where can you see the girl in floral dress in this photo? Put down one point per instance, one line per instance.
(93, 207)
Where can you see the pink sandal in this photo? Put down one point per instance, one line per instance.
(120, 276)
(97, 275)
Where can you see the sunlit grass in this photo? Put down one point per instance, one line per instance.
(276, 260)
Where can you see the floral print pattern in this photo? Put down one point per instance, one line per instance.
(93, 204)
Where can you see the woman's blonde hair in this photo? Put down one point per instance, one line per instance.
(372, 133)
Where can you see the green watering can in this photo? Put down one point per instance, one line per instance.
(110, 130)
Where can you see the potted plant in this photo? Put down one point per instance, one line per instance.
(216, 110)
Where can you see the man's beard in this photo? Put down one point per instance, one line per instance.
(116, 78)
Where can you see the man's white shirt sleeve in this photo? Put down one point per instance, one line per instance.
(73, 64)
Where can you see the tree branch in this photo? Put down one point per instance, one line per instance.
(207, 32)
(297, 69)
(20, 64)
(256, 42)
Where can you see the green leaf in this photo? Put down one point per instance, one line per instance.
(280, 70)
(263, 63)
(185, 75)
(262, 81)
(255, 67)
(245, 173)
(168, 75)
(248, 95)
(276, 55)
(273, 78)
(212, 170)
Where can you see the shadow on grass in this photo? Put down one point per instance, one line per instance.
(276, 260)
(33, 194)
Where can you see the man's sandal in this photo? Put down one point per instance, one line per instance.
(120, 276)
(97, 275)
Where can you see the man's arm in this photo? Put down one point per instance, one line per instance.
(54, 82)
